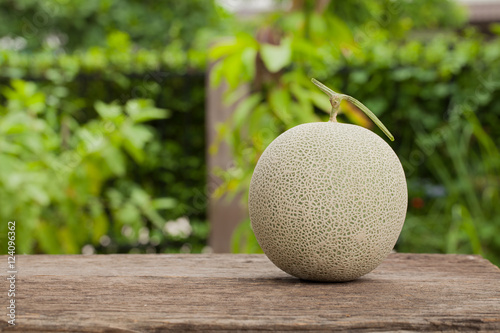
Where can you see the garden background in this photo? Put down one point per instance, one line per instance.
(102, 114)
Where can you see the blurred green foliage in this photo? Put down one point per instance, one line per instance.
(101, 137)
(81, 24)
(102, 114)
(435, 87)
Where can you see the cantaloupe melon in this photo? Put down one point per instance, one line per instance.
(328, 200)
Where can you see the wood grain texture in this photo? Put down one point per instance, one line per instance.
(162, 293)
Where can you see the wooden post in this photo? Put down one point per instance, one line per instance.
(223, 215)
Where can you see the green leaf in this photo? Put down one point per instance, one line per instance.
(262, 128)
(142, 110)
(232, 70)
(276, 57)
(227, 47)
(118, 41)
(244, 108)
(140, 197)
(150, 114)
(248, 57)
(303, 111)
(128, 214)
(15, 123)
(342, 35)
(320, 101)
(216, 74)
(67, 241)
(47, 237)
(279, 100)
(107, 111)
(37, 194)
(115, 160)
(144, 202)
(136, 136)
(243, 239)
(100, 226)
(164, 203)
(224, 48)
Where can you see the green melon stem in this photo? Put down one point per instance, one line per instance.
(336, 98)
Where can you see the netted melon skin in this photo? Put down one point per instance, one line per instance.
(327, 201)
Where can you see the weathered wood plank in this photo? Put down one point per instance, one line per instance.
(161, 293)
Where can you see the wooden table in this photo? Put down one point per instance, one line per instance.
(157, 293)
